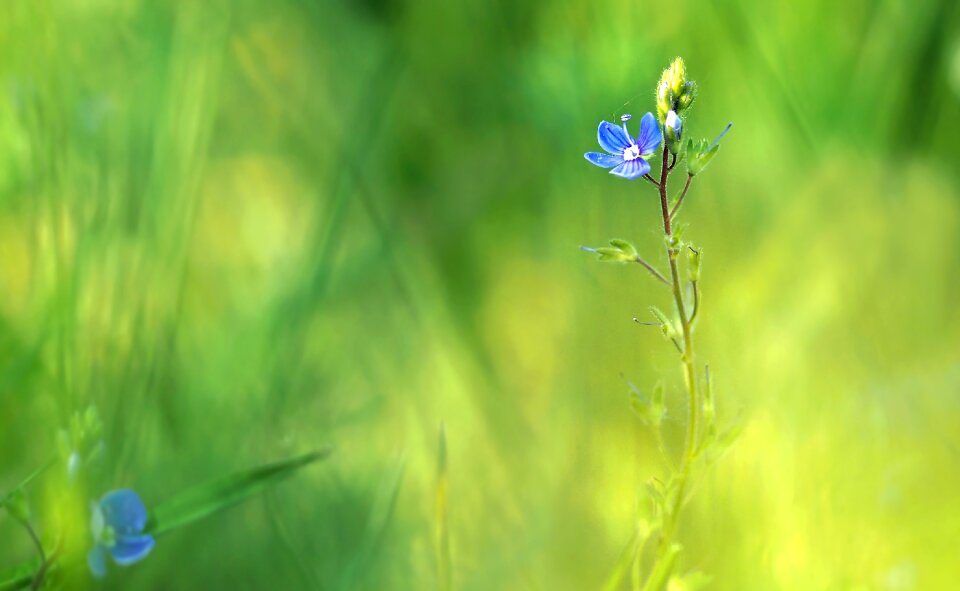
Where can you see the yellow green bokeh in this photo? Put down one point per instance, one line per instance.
(247, 229)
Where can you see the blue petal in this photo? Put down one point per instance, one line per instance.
(632, 169)
(650, 136)
(612, 138)
(604, 160)
(96, 560)
(130, 549)
(124, 511)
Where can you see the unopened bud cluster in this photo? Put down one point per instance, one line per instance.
(674, 92)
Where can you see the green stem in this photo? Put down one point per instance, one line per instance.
(33, 536)
(653, 271)
(666, 550)
(23, 483)
(683, 193)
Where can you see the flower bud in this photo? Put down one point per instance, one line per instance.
(694, 258)
(678, 76)
(674, 92)
(672, 127)
(621, 252)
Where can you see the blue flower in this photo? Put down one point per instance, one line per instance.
(627, 154)
(117, 524)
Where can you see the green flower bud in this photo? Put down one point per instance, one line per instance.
(666, 325)
(678, 76)
(621, 252)
(80, 442)
(693, 263)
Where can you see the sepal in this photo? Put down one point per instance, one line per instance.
(619, 251)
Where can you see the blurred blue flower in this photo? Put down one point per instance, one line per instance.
(627, 154)
(117, 524)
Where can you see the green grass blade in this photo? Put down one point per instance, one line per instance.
(381, 515)
(204, 500)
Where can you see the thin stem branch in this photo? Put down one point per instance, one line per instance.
(653, 271)
(44, 562)
(676, 206)
(45, 567)
(33, 536)
(651, 180)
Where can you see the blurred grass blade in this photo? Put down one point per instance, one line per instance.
(26, 481)
(627, 557)
(204, 500)
(19, 576)
(663, 569)
(380, 515)
(444, 574)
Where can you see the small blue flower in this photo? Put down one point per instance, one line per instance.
(627, 154)
(117, 524)
(673, 123)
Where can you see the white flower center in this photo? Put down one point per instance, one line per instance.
(632, 152)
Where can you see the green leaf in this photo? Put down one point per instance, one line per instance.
(207, 499)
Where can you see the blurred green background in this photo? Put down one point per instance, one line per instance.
(246, 229)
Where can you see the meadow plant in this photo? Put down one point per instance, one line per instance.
(120, 525)
(653, 565)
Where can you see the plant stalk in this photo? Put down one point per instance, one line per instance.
(668, 530)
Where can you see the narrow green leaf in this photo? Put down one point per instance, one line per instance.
(444, 559)
(204, 500)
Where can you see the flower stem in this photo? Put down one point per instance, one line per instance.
(665, 544)
(662, 186)
(659, 276)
